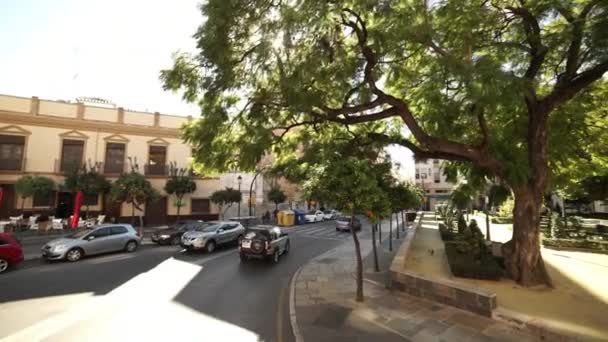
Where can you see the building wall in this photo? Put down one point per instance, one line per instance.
(44, 124)
(435, 192)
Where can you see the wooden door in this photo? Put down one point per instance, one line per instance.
(156, 212)
(7, 207)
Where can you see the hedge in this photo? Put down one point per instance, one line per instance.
(592, 246)
(446, 234)
(465, 266)
(501, 220)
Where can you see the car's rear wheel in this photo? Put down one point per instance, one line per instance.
(74, 254)
(275, 257)
(3, 265)
(286, 251)
(210, 247)
(175, 240)
(131, 246)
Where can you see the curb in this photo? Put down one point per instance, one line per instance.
(292, 306)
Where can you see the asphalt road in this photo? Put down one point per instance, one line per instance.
(160, 293)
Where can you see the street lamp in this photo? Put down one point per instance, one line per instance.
(240, 180)
(251, 190)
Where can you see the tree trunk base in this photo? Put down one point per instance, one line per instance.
(533, 275)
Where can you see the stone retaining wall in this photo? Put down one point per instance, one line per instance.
(442, 291)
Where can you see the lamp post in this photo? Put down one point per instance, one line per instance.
(251, 190)
(240, 180)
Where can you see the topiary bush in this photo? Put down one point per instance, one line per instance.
(467, 266)
(446, 233)
(462, 224)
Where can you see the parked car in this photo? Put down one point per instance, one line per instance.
(101, 239)
(343, 223)
(209, 235)
(330, 214)
(11, 253)
(264, 242)
(173, 234)
(314, 216)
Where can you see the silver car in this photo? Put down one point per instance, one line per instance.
(101, 239)
(212, 234)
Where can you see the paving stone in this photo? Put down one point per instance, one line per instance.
(435, 328)
(405, 326)
(472, 321)
(457, 333)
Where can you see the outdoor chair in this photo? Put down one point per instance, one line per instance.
(57, 224)
(32, 224)
(15, 220)
(100, 219)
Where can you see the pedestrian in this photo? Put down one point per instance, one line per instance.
(266, 218)
(276, 215)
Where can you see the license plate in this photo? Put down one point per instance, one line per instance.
(246, 244)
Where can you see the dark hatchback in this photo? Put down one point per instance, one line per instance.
(173, 234)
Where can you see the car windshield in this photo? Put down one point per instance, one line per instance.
(80, 234)
(207, 227)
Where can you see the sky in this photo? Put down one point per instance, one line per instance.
(111, 49)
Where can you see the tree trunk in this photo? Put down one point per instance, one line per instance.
(132, 213)
(376, 265)
(390, 232)
(397, 223)
(380, 229)
(179, 206)
(522, 255)
(404, 220)
(359, 296)
(488, 227)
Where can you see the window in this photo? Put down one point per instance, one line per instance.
(157, 160)
(200, 205)
(11, 152)
(101, 232)
(115, 158)
(2, 243)
(45, 201)
(71, 154)
(437, 177)
(90, 199)
(118, 230)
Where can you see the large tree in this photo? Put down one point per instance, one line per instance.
(133, 188)
(489, 83)
(87, 179)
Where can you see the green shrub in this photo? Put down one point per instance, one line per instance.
(473, 241)
(594, 246)
(501, 220)
(446, 233)
(506, 209)
(466, 266)
(462, 224)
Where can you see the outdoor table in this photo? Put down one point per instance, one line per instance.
(2, 224)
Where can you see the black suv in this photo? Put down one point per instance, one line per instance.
(173, 234)
(264, 242)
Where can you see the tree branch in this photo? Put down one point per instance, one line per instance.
(533, 36)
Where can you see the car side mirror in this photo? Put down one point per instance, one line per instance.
(219, 231)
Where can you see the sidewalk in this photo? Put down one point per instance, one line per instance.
(325, 309)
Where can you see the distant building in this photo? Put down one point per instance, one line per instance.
(429, 176)
(41, 137)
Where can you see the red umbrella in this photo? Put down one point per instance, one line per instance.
(77, 205)
(1, 196)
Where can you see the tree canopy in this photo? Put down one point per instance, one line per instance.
(276, 196)
(179, 184)
(514, 88)
(133, 188)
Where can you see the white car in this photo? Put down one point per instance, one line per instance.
(314, 216)
(330, 214)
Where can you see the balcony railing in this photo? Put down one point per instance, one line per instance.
(156, 169)
(64, 166)
(12, 165)
(113, 168)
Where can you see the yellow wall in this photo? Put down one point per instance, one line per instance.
(138, 118)
(171, 121)
(100, 114)
(57, 109)
(15, 104)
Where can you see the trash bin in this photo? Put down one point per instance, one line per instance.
(280, 217)
(288, 218)
(299, 216)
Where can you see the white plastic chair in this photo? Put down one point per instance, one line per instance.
(32, 222)
(57, 224)
(100, 219)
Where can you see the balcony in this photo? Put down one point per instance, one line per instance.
(17, 165)
(66, 166)
(113, 168)
(156, 169)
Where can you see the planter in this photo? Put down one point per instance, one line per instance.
(466, 266)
